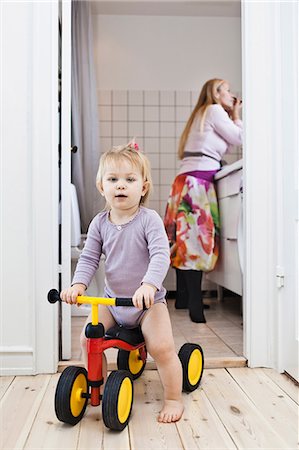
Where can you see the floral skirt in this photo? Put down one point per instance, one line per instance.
(192, 223)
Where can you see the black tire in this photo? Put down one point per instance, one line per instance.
(192, 359)
(69, 404)
(117, 400)
(131, 361)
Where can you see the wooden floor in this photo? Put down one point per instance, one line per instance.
(221, 337)
(234, 408)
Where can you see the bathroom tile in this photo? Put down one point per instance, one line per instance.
(140, 142)
(104, 112)
(104, 97)
(120, 113)
(195, 96)
(151, 113)
(230, 158)
(105, 129)
(164, 192)
(154, 160)
(183, 98)
(167, 129)
(119, 129)
(162, 209)
(156, 176)
(167, 161)
(136, 113)
(155, 195)
(167, 114)
(151, 98)
(135, 97)
(151, 129)
(179, 128)
(151, 145)
(119, 140)
(182, 113)
(105, 144)
(168, 145)
(136, 129)
(120, 97)
(153, 204)
(167, 177)
(167, 98)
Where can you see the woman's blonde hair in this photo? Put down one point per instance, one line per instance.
(131, 153)
(207, 97)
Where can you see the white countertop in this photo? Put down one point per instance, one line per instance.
(229, 168)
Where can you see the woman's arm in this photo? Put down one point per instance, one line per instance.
(231, 131)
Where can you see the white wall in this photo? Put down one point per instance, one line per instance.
(161, 53)
(29, 187)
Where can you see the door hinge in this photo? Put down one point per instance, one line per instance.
(279, 276)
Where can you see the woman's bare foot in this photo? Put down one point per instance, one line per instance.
(171, 412)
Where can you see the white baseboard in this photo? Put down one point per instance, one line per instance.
(17, 360)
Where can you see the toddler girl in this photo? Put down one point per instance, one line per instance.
(136, 249)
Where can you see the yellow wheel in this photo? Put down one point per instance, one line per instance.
(71, 395)
(131, 361)
(192, 359)
(117, 400)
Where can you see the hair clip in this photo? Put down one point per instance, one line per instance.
(133, 145)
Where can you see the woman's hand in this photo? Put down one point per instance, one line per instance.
(146, 292)
(70, 295)
(235, 111)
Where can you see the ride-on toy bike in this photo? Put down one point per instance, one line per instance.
(76, 385)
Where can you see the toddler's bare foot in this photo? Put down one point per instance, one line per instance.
(171, 412)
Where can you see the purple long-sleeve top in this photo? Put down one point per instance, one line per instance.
(135, 252)
(218, 135)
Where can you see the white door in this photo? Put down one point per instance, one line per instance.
(65, 173)
(288, 308)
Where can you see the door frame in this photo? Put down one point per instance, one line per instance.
(65, 173)
(262, 156)
(264, 294)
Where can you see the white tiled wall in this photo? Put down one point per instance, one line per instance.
(156, 119)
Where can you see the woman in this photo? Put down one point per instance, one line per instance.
(192, 217)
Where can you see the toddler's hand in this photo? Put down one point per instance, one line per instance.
(70, 295)
(146, 292)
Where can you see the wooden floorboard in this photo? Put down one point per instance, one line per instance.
(19, 407)
(279, 410)
(238, 408)
(4, 384)
(145, 431)
(285, 383)
(246, 424)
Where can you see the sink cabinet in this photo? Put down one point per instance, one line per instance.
(227, 272)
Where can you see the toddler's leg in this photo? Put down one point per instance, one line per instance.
(107, 320)
(157, 331)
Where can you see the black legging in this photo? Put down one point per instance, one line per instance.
(189, 294)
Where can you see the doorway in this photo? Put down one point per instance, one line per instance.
(155, 108)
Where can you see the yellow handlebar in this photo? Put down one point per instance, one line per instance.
(54, 296)
(94, 302)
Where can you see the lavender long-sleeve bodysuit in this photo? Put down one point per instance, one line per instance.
(135, 252)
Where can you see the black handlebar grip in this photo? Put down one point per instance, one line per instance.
(119, 301)
(123, 302)
(53, 296)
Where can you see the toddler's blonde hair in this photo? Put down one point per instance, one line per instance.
(134, 156)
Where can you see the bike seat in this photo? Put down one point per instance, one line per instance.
(132, 336)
